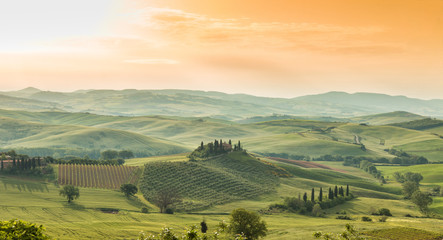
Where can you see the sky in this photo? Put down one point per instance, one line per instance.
(279, 48)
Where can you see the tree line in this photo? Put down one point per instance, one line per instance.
(310, 204)
(215, 148)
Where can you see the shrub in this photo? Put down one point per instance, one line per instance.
(169, 211)
(366, 219)
(17, 229)
(145, 210)
(383, 218)
(343, 217)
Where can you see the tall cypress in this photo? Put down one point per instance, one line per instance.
(312, 195)
(14, 163)
(342, 191)
(336, 191)
(331, 194)
(320, 195)
(239, 145)
(305, 197)
(201, 145)
(230, 143)
(347, 189)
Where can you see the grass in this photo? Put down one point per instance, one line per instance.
(403, 233)
(166, 158)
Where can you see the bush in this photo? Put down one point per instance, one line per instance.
(382, 212)
(343, 217)
(366, 219)
(17, 229)
(383, 219)
(169, 211)
(145, 210)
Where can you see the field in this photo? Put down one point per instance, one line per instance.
(97, 176)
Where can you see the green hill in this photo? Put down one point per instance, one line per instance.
(388, 118)
(226, 178)
(42, 139)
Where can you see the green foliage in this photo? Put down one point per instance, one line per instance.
(366, 219)
(409, 188)
(383, 212)
(128, 189)
(247, 223)
(421, 124)
(145, 210)
(165, 199)
(70, 192)
(21, 230)
(409, 176)
(422, 200)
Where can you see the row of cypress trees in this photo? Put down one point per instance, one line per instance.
(333, 193)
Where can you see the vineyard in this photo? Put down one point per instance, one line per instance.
(203, 184)
(97, 176)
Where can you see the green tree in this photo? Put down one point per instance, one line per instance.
(422, 200)
(317, 211)
(349, 234)
(347, 190)
(70, 192)
(18, 230)
(165, 198)
(312, 195)
(247, 223)
(109, 154)
(320, 195)
(128, 189)
(125, 154)
(409, 188)
(305, 197)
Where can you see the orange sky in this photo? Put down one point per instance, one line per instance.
(281, 48)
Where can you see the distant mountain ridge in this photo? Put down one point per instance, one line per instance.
(193, 103)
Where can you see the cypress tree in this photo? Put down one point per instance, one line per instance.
(331, 194)
(33, 163)
(336, 191)
(239, 146)
(201, 145)
(221, 145)
(14, 163)
(347, 189)
(341, 191)
(320, 195)
(312, 195)
(39, 162)
(305, 197)
(230, 143)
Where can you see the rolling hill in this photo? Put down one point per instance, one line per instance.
(44, 139)
(189, 103)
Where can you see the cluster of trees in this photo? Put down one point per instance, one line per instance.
(371, 169)
(286, 156)
(313, 205)
(403, 158)
(243, 225)
(215, 148)
(411, 190)
(90, 161)
(13, 163)
(112, 154)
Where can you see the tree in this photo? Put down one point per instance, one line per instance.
(202, 146)
(422, 200)
(317, 211)
(349, 234)
(109, 154)
(320, 195)
(336, 191)
(305, 197)
(347, 190)
(165, 198)
(239, 146)
(128, 189)
(409, 188)
(125, 154)
(312, 195)
(70, 192)
(17, 229)
(247, 223)
(204, 227)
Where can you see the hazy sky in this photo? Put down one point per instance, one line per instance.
(281, 48)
